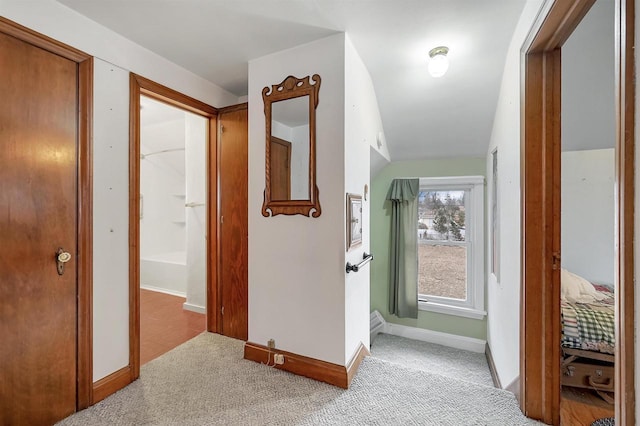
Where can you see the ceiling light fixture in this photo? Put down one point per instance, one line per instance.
(438, 62)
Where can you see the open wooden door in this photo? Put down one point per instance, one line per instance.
(233, 284)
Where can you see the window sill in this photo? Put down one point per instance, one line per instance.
(452, 310)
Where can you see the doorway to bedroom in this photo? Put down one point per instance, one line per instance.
(547, 196)
(587, 223)
(173, 214)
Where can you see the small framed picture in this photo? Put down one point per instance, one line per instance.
(354, 221)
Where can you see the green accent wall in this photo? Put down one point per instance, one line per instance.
(380, 234)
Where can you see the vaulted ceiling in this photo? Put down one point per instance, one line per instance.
(423, 117)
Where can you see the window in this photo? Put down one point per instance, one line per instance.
(450, 245)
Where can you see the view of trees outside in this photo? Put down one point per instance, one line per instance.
(441, 215)
(442, 267)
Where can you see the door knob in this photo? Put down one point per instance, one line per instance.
(62, 257)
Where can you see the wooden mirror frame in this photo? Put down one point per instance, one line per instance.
(290, 88)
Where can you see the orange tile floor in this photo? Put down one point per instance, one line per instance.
(164, 324)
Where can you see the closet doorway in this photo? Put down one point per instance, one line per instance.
(541, 364)
(170, 230)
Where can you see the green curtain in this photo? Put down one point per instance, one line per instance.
(403, 279)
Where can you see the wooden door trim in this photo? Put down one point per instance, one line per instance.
(625, 179)
(84, 357)
(540, 361)
(174, 98)
(111, 384)
(134, 228)
(216, 299)
(540, 153)
(85, 235)
(141, 86)
(219, 293)
(214, 318)
(42, 41)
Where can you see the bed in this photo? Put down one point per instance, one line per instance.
(588, 336)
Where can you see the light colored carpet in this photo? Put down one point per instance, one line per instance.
(206, 382)
(438, 359)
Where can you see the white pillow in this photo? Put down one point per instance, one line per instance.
(576, 289)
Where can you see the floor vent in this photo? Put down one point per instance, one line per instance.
(378, 324)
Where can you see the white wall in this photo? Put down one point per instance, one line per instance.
(296, 268)
(299, 293)
(111, 138)
(503, 312)
(379, 155)
(110, 219)
(280, 130)
(196, 217)
(588, 102)
(587, 219)
(68, 26)
(162, 187)
(362, 126)
(377, 161)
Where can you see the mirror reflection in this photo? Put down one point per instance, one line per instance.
(290, 149)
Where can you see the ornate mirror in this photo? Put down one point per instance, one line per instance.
(290, 161)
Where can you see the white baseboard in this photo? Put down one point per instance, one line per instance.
(163, 290)
(444, 339)
(194, 308)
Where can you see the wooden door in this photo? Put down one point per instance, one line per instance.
(280, 169)
(233, 184)
(38, 197)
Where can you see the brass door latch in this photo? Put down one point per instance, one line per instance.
(62, 257)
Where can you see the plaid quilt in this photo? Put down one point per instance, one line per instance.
(589, 326)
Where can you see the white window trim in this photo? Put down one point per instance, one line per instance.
(473, 307)
(451, 310)
(493, 231)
